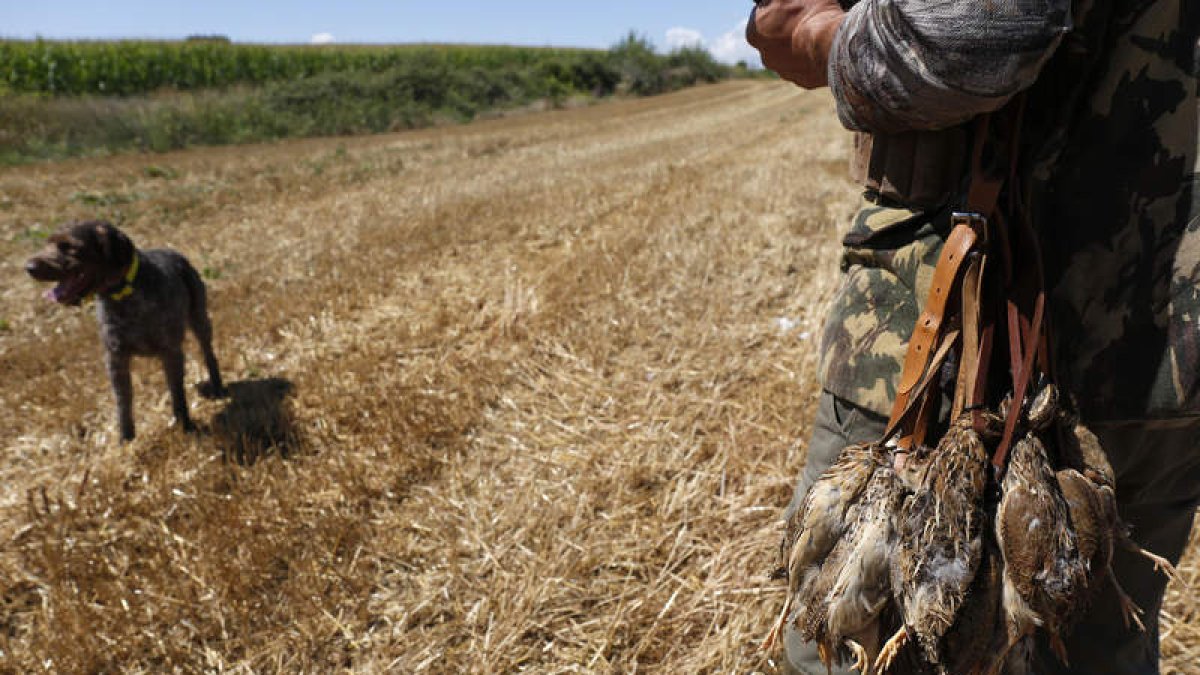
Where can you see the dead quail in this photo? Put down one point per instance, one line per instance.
(1042, 409)
(1044, 575)
(1088, 484)
(841, 605)
(971, 645)
(813, 530)
(1082, 451)
(939, 542)
(1094, 519)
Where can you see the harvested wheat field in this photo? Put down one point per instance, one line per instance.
(524, 395)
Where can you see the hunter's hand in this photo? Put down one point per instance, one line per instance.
(794, 37)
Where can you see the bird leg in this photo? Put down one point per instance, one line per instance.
(864, 645)
(1161, 564)
(794, 583)
(826, 656)
(1001, 661)
(1059, 648)
(1129, 609)
(772, 638)
(862, 662)
(891, 649)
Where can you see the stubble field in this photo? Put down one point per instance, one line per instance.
(524, 395)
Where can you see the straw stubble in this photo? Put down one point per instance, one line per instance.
(526, 394)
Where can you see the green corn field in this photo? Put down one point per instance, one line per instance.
(124, 68)
(63, 99)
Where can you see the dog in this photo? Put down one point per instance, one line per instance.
(145, 301)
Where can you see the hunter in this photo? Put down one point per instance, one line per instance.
(1107, 161)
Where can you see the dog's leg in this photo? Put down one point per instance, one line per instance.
(202, 328)
(173, 368)
(122, 386)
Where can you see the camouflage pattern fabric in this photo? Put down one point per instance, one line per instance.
(888, 261)
(1117, 204)
(1111, 149)
(904, 65)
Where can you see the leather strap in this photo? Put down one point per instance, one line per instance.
(984, 191)
(1026, 324)
(986, 339)
(929, 325)
(925, 332)
(912, 415)
(914, 406)
(969, 358)
(1022, 374)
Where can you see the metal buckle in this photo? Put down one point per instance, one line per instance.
(976, 221)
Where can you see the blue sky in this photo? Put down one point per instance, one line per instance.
(716, 24)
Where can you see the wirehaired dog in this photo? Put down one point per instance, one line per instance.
(145, 300)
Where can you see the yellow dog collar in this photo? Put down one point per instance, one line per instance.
(127, 289)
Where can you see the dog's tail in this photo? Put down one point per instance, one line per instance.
(197, 303)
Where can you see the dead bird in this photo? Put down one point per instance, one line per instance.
(817, 526)
(1094, 520)
(1044, 573)
(939, 542)
(1042, 409)
(1089, 487)
(840, 607)
(971, 644)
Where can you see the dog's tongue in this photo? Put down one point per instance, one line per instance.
(58, 294)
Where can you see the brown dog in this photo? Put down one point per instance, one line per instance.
(145, 301)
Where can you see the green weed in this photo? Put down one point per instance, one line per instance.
(35, 234)
(166, 173)
(103, 199)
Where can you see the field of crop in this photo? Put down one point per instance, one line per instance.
(127, 67)
(522, 395)
(71, 99)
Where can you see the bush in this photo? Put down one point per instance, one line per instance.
(692, 65)
(640, 67)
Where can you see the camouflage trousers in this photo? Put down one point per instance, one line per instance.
(1158, 488)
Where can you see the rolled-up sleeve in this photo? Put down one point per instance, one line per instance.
(906, 65)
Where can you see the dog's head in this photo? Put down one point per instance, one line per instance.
(83, 258)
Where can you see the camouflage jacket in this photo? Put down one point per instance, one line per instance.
(902, 65)
(1110, 158)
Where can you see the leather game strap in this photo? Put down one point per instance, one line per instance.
(969, 229)
(928, 328)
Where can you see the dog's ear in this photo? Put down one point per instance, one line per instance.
(116, 247)
(64, 242)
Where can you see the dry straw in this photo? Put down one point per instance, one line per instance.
(524, 395)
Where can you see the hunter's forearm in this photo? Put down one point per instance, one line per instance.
(905, 65)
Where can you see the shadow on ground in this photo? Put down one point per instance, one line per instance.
(257, 422)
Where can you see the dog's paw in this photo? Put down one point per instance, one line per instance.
(210, 391)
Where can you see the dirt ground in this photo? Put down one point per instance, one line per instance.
(527, 394)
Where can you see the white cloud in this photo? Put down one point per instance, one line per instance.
(684, 37)
(322, 39)
(732, 47)
(729, 47)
